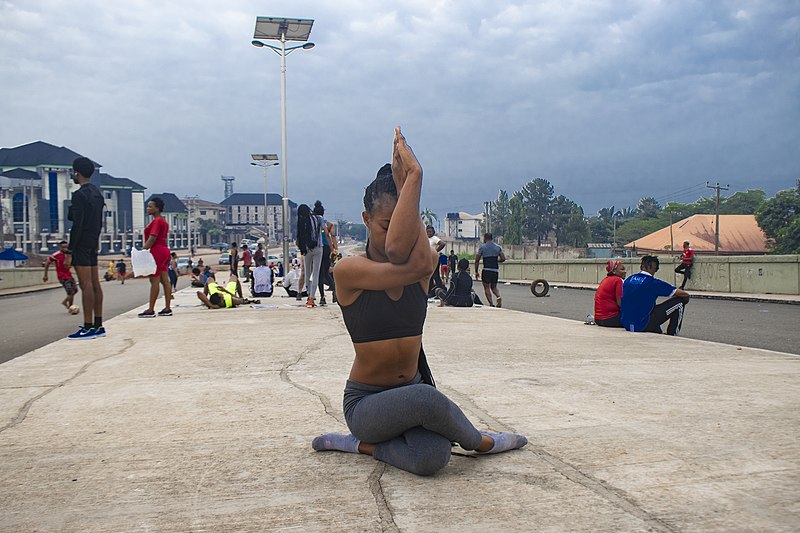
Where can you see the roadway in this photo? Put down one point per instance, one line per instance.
(772, 326)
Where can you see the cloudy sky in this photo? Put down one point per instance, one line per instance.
(610, 100)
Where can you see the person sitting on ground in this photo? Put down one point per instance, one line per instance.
(460, 292)
(391, 404)
(215, 296)
(687, 261)
(197, 278)
(608, 297)
(291, 281)
(263, 279)
(639, 294)
(109, 275)
(200, 263)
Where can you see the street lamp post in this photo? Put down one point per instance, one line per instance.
(283, 30)
(265, 160)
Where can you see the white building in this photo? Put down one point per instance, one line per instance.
(462, 225)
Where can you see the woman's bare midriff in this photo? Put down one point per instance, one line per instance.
(386, 363)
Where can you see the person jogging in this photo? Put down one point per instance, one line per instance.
(492, 256)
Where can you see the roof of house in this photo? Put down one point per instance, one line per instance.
(38, 153)
(107, 181)
(199, 203)
(254, 198)
(463, 215)
(21, 174)
(738, 234)
(172, 204)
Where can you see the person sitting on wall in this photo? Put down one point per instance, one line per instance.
(639, 295)
(608, 297)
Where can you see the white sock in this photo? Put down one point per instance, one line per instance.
(343, 442)
(505, 441)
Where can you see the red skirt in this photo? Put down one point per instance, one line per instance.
(162, 256)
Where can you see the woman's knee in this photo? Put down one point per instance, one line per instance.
(430, 452)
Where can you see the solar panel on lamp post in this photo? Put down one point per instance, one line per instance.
(265, 160)
(283, 30)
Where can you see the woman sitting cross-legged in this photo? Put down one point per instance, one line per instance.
(460, 292)
(391, 405)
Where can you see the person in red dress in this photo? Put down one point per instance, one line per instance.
(608, 298)
(155, 240)
(63, 274)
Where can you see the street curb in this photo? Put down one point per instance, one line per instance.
(699, 295)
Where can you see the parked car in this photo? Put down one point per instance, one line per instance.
(220, 245)
(183, 265)
(225, 259)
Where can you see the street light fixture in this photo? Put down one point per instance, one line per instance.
(283, 29)
(265, 160)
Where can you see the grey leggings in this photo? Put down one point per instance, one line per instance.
(412, 424)
(313, 260)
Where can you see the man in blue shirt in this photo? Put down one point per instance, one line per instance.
(639, 294)
(492, 255)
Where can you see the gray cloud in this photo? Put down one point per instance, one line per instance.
(610, 100)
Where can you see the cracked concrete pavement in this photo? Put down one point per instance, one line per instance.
(203, 422)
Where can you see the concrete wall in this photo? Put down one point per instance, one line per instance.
(12, 278)
(515, 252)
(763, 274)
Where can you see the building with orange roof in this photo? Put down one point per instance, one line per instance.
(738, 235)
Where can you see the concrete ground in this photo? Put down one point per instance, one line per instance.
(203, 421)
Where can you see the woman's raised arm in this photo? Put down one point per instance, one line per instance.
(405, 228)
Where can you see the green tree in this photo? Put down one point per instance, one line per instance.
(500, 213)
(637, 228)
(647, 208)
(561, 212)
(743, 203)
(600, 230)
(210, 228)
(516, 220)
(428, 217)
(577, 231)
(537, 196)
(608, 213)
(779, 218)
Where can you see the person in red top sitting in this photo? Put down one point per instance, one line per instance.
(608, 297)
(155, 240)
(63, 274)
(687, 261)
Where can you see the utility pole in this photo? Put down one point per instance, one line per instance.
(717, 187)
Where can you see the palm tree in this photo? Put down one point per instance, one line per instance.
(428, 217)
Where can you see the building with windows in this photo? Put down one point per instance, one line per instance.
(244, 216)
(205, 220)
(462, 225)
(36, 190)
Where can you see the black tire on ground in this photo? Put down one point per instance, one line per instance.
(545, 287)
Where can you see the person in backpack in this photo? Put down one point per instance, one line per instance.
(309, 229)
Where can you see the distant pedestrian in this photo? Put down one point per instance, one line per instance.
(437, 244)
(247, 262)
(63, 274)
(444, 269)
(121, 270)
(687, 262)
(452, 261)
(492, 256)
(234, 253)
(155, 240)
(172, 271)
(258, 253)
(309, 229)
(608, 297)
(86, 214)
(329, 247)
(639, 311)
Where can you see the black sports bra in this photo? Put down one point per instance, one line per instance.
(376, 317)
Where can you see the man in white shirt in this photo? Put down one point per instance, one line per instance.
(263, 278)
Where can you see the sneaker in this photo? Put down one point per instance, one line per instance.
(100, 332)
(83, 333)
(165, 312)
(147, 314)
(322, 301)
(499, 302)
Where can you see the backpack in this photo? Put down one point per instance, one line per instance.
(313, 239)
